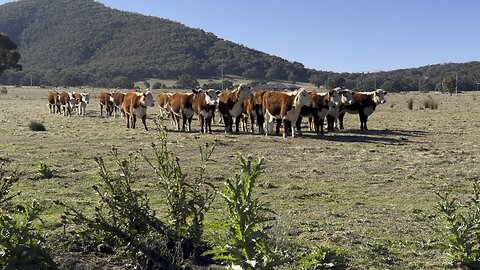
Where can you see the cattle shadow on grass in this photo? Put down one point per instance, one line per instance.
(362, 139)
(373, 136)
(388, 132)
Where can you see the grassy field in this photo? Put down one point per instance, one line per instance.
(371, 193)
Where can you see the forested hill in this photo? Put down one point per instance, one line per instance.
(83, 42)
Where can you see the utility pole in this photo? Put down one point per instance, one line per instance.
(456, 83)
(31, 80)
(222, 73)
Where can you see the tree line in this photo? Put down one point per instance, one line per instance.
(82, 42)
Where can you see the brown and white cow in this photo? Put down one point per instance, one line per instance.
(118, 98)
(163, 102)
(230, 105)
(284, 106)
(68, 103)
(204, 104)
(82, 100)
(53, 102)
(317, 112)
(364, 104)
(135, 106)
(346, 98)
(106, 99)
(181, 107)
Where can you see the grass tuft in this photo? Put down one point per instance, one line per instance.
(36, 126)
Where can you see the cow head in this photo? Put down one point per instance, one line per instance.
(211, 96)
(148, 99)
(334, 98)
(85, 97)
(347, 96)
(244, 92)
(379, 96)
(302, 98)
(72, 101)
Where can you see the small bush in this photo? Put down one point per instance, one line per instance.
(21, 243)
(410, 104)
(459, 229)
(474, 97)
(3, 90)
(36, 126)
(323, 257)
(44, 171)
(430, 103)
(247, 245)
(158, 85)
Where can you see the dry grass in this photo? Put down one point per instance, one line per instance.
(371, 193)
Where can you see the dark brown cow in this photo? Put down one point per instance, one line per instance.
(204, 104)
(252, 107)
(284, 106)
(68, 103)
(230, 105)
(181, 107)
(316, 112)
(135, 106)
(118, 98)
(106, 99)
(364, 104)
(53, 102)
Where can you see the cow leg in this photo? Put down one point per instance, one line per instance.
(101, 110)
(134, 120)
(184, 121)
(237, 123)
(260, 121)
(278, 124)
(285, 128)
(320, 124)
(203, 129)
(209, 124)
(144, 121)
(189, 124)
(340, 120)
(225, 123)
(361, 115)
(128, 121)
(298, 124)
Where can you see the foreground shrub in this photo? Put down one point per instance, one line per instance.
(3, 90)
(188, 198)
(247, 245)
(36, 126)
(124, 219)
(21, 243)
(323, 257)
(460, 229)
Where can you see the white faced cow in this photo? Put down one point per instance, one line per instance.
(203, 104)
(82, 100)
(284, 106)
(135, 105)
(364, 104)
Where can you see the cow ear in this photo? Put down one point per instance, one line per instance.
(385, 92)
(249, 88)
(218, 92)
(195, 91)
(331, 92)
(353, 93)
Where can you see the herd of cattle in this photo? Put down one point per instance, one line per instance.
(264, 108)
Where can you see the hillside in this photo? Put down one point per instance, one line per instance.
(82, 42)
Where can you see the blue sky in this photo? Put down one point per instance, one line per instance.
(334, 35)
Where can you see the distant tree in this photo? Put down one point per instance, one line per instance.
(121, 82)
(292, 78)
(448, 83)
(335, 81)
(8, 54)
(157, 85)
(316, 80)
(186, 81)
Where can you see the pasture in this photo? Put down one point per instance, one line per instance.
(371, 193)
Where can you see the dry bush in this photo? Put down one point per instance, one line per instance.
(3, 90)
(410, 104)
(430, 103)
(36, 126)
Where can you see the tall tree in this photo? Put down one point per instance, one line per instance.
(8, 54)
(449, 83)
